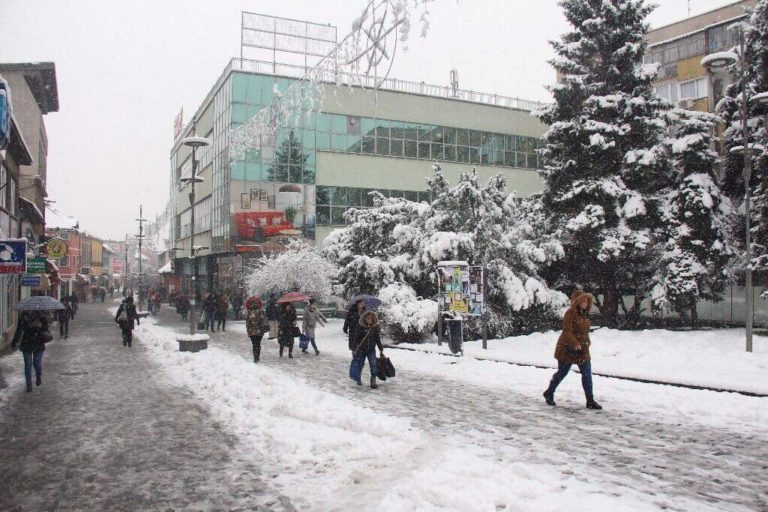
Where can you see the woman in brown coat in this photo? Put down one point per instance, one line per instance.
(573, 348)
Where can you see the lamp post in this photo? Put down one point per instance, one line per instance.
(194, 143)
(140, 237)
(715, 63)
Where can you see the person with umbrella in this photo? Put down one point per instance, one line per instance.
(286, 328)
(273, 315)
(125, 316)
(33, 333)
(352, 320)
(368, 337)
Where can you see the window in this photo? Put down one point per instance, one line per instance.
(693, 89)
(668, 91)
(3, 182)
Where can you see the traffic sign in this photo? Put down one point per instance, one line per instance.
(33, 281)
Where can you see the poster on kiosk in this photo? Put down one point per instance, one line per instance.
(462, 288)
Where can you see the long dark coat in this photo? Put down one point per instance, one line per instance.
(132, 316)
(351, 323)
(576, 326)
(366, 338)
(33, 339)
(285, 326)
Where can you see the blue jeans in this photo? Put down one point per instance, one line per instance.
(30, 359)
(358, 362)
(562, 371)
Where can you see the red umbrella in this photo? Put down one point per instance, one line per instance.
(293, 297)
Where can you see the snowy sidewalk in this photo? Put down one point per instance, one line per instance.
(471, 435)
(108, 431)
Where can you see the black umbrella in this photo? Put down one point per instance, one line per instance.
(39, 303)
(370, 301)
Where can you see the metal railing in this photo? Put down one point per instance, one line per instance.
(388, 84)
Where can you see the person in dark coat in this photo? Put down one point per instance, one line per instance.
(209, 310)
(237, 304)
(573, 348)
(368, 337)
(62, 316)
(222, 306)
(75, 302)
(32, 331)
(273, 315)
(256, 325)
(102, 294)
(182, 306)
(286, 327)
(352, 320)
(126, 315)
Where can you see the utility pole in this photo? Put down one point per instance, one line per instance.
(140, 236)
(126, 275)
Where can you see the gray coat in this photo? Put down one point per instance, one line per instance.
(312, 317)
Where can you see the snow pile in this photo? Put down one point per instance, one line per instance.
(406, 316)
(192, 337)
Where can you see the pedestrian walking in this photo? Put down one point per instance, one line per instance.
(573, 348)
(75, 302)
(273, 315)
(368, 337)
(352, 320)
(237, 303)
(126, 315)
(182, 306)
(62, 316)
(286, 329)
(209, 312)
(32, 331)
(256, 325)
(154, 302)
(102, 294)
(312, 317)
(111, 291)
(222, 306)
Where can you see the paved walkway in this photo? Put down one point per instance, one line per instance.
(105, 431)
(721, 468)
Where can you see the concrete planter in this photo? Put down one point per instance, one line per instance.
(196, 343)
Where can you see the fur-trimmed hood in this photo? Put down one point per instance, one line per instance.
(578, 295)
(366, 314)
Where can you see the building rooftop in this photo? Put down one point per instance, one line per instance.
(55, 220)
(699, 22)
(41, 78)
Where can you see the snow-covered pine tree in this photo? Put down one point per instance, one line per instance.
(603, 159)
(697, 219)
(730, 107)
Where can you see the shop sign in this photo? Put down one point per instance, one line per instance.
(57, 248)
(33, 281)
(13, 256)
(36, 266)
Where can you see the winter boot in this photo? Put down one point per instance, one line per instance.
(591, 404)
(38, 380)
(29, 387)
(373, 383)
(550, 398)
(290, 354)
(281, 351)
(317, 352)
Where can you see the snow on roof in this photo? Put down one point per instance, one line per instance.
(107, 248)
(33, 206)
(56, 220)
(166, 269)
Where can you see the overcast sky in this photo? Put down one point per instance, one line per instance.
(125, 68)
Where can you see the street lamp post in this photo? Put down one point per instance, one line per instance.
(719, 62)
(140, 237)
(194, 143)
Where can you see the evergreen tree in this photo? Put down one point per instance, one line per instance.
(697, 220)
(604, 160)
(291, 162)
(755, 82)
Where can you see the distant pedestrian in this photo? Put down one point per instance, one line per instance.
(209, 312)
(237, 304)
(368, 337)
(312, 317)
(182, 306)
(256, 324)
(62, 316)
(273, 315)
(32, 331)
(222, 307)
(102, 294)
(75, 303)
(126, 315)
(286, 328)
(573, 348)
(111, 291)
(352, 320)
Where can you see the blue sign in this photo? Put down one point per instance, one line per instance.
(33, 281)
(13, 256)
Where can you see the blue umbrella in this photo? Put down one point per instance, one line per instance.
(371, 302)
(39, 303)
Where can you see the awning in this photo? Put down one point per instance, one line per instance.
(166, 269)
(31, 210)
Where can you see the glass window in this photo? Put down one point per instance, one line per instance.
(425, 132)
(497, 157)
(382, 128)
(369, 126)
(437, 134)
(450, 153)
(462, 137)
(462, 154)
(367, 197)
(509, 158)
(239, 88)
(353, 125)
(339, 142)
(322, 195)
(411, 196)
(253, 172)
(354, 197)
(410, 131)
(449, 135)
(323, 141)
(437, 151)
(693, 89)
(474, 155)
(369, 145)
(382, 146)
(308, 138)
(337, 215)
(354, 144)
(396, 193)
(410, 149)
(308, 176)
(323, 123)
(529, 144)
(323, 214)
(474, 138)
(396, 130)
(396, 147)
(424, 150)
(339, 124)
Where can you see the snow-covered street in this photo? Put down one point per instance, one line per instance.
(152, 428)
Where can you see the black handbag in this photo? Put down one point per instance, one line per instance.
(576, 354)
(385, 367)
(295, 331)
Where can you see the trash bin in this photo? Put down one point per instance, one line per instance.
(455, 334)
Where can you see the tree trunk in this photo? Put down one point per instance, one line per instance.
(610, 310)
(694, 314)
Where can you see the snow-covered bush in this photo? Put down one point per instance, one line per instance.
(405, 316)
(300, 268)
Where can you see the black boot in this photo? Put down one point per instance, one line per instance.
(373, 383)
(281, 351)
(290, 354)
(550, 398)
(38, 380)
(591, 404)
(29, 387)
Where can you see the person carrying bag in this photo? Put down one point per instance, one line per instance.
(367, 339)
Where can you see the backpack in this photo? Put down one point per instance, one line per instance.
(123, 317)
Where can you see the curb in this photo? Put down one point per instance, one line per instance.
(605, 375)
